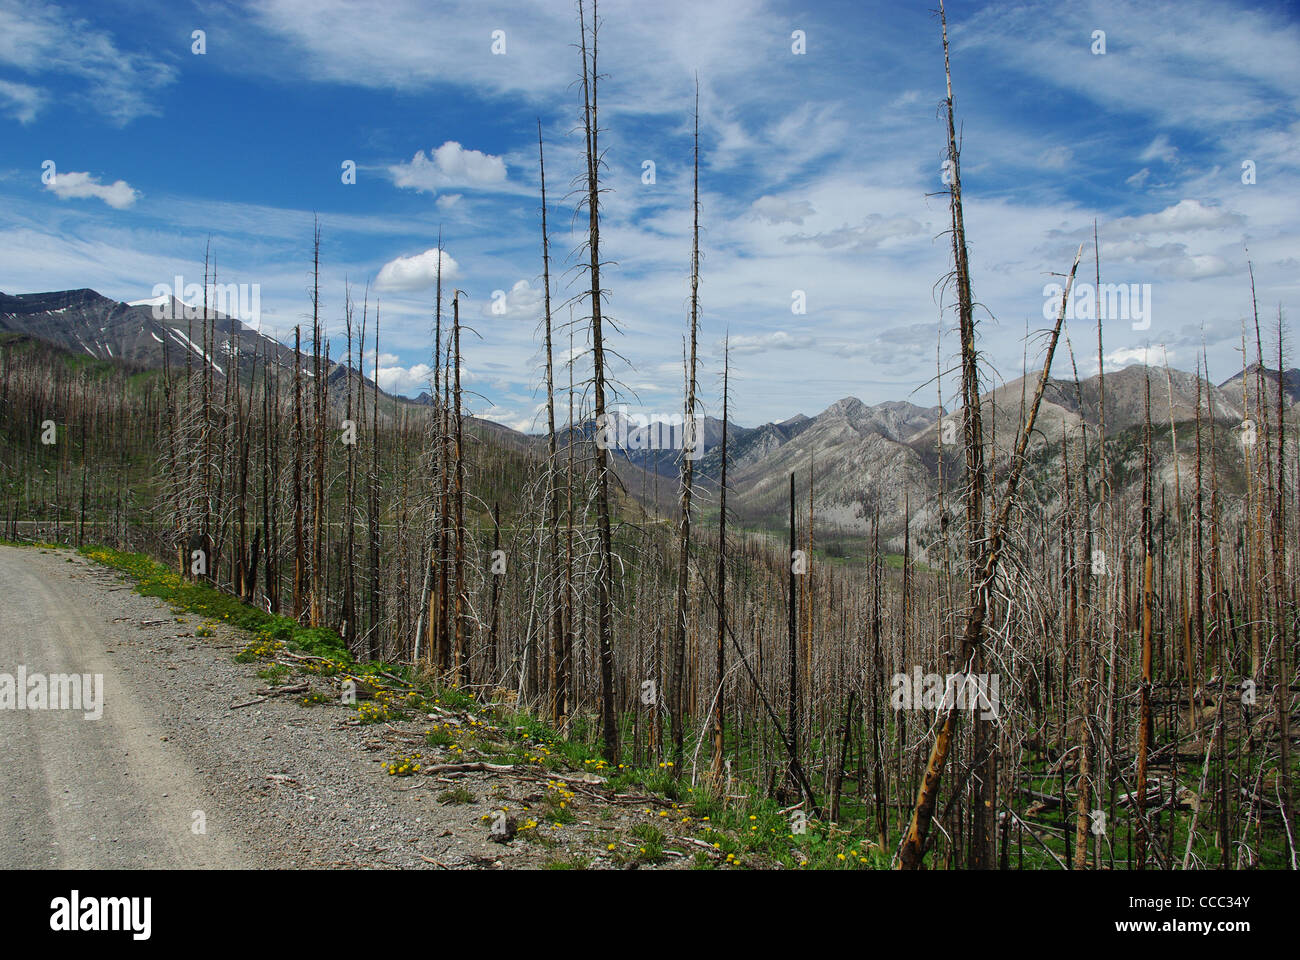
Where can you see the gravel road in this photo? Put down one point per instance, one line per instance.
(275, 784)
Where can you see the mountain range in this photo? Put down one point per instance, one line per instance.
(147, 333)
(861, 458)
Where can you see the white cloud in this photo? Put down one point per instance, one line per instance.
(1241, 62)
(730, 145)
(386, 44)
(418, 272)
(1140, 250)
(897, 346)
(395, 378)
(782, 210)
(1056, 158)
(1203, 265)
(521, 300)
(1127, 356)
(119, 195)
(511, 418)
(39, 39)
(1160, 149)
(873, 232)
(761, 343)
(24, 101)
(450, 165)
(1183, 216)
(1147, 354)
(874, 161)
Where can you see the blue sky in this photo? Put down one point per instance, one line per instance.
(818, 174)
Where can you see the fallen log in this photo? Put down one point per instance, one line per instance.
(478, 765)
(280, 691)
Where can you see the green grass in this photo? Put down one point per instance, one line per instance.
(650, 844)
(456, 796)
(754, 832)
(274, 675)
(575, 862)
(155, 580)
(440, 736)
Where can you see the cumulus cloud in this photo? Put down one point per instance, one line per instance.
(1172, 257)
(418, 272)
(1127, 356)
(781, 210)
(521, 300)
(451, 165)
(394, 378)
(448, 200)
(68, 186)
(1189, 337)
(511, 418)
(1183, 216)
(761, 343)
(901, 345)
(1202, 265)
(1151, 355)
(1141, 250)
(873, 232)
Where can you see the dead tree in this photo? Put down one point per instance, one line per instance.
(720, 651)
(687, 467)
(462, 597)
(605, 572)
(299, 557)
(558, 679)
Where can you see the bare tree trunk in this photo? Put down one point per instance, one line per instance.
(350, 480)
(299, 560)
(373, 647)
(720, 701)
(1144, 719)
(317, 600)
(444, 524)
(973, 442)
(605, 575)
(462, 598)
(1283, 617)
(496, 580)
(687, 472)
(792, 637)
(557, 682)
(429, 625)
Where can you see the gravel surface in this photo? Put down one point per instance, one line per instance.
(280, 784)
